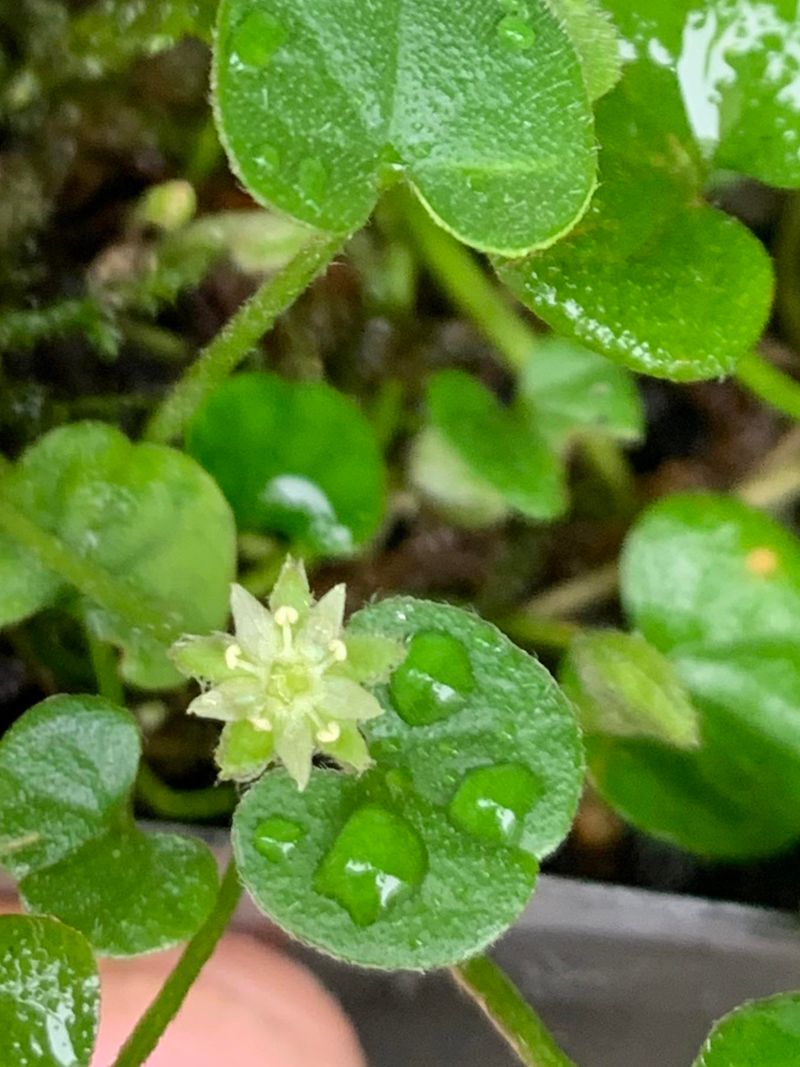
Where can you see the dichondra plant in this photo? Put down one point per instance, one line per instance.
(396, 774)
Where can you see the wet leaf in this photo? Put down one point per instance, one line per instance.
(705, 86)
(49, 994)
(715, 585)
(433, 853)
(484, 113)
(293, 458)
(66, 831)
(761, 1033)
(146, 514)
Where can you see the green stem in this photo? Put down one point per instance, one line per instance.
(787, 258)
(467, 285)
(183, 805)
(112, 594)
(771, 385)
(104, 665)
(539, 631)
(159, 1015)
(515, 1020)
(241, 334)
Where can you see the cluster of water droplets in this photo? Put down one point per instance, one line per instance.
(378, 857)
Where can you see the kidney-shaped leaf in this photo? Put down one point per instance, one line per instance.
(761, 1033)
(705, 568)
(49, 994)
(66, 771)
(147, 514)
(294, 458)
(321, 103)
(433, 853)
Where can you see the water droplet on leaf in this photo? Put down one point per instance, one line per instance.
(515, 32)
(275, 838)
(377, 860)
(257, 38)
(492, 802)
(432, 682)
(269, 158)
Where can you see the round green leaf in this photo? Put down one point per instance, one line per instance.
(321, 103)
(705, 568)
(568, 389)
(295, 458)
(66, 771)
(144, 513)
(49, 994)
(762, 1033)
(646, 247)
(737, 795)
(429, 856)
(499, 446)
(128, 892)
(595, 38)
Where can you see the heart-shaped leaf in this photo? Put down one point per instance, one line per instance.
(762, 1033)
(294, 458)
(707, 569)
(146, 514)
(321, 103)
(705, 85)
(66, 771)
(49, 994)
(433, 853)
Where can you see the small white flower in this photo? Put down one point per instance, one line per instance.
(289, 683)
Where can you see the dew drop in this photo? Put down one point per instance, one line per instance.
(399, 781)
(432, 682)
(491, 803)
(276, 837)
(377, 860)
(269, 158)
(516, 32)
(257, 38)
(313, 178)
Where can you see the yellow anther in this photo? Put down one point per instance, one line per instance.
(232, 657)
(338, 649)
(329, 733)
(286, 616)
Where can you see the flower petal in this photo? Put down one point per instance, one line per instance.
(203, 657)
(294, 747)
(291, 588)
(243, 752)
(344, 699)
(349, 749)
(255, 628)
(324, 622)
(371, 658)
(238, 698)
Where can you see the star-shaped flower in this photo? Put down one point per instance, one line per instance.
(290, 682)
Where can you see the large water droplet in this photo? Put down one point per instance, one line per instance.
(276, 837)
(433, 680)
(313, 177)
(516, 32)
(377, 860)
(491, 803)
(257, 38)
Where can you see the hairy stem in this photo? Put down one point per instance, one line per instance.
(111, 593)
(237, 339)
(769, 384)
(514, 1019)
(787, 257)
(159, 1015)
